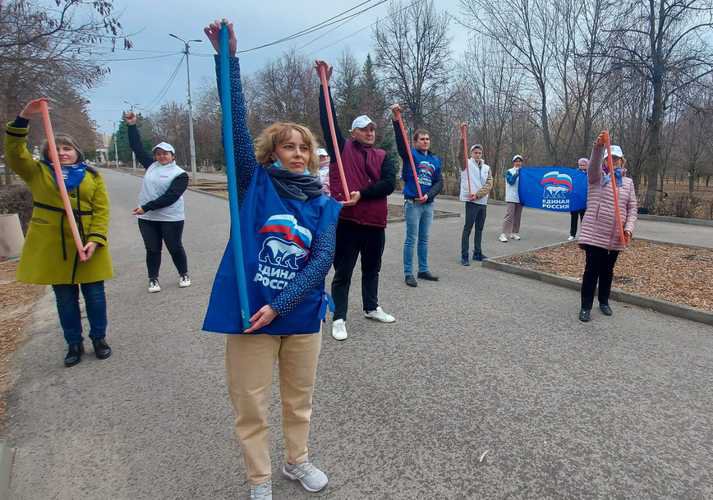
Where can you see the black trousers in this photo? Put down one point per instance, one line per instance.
(352, 240)
(599, 268)
(474, 216)
(573, 216)
(155, 233)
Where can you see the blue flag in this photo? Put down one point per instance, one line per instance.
(560, 189)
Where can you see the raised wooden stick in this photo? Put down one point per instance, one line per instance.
(399, 119)
(328, 103)
(57, 167)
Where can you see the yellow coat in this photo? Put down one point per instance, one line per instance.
(49, 256)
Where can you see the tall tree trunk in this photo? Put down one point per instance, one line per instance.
(653, 157)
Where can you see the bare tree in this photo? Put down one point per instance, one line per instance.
(413, 54)
(525, 30)
(664, 41)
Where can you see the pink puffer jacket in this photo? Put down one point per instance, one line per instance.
(599, 226)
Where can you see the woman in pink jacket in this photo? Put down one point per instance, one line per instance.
(599, 235)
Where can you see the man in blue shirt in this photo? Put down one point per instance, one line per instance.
(417, 211)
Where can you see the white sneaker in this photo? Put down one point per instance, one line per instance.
(185, 281)
(339, 329)
(311, 478)
(154, 286)
(570, 238)
(379, 315)
(515, 236)
(503, 238)
(262, 491)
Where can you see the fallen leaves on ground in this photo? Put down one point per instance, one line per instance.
(16, 301)
(676, 273)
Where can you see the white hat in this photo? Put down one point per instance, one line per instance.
(165, 146)
(516, 157)
(615, 151)
(361, 121)
(476, 146)
(322, 152)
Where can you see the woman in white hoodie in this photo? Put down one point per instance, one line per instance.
(161, 210)
(511, 223)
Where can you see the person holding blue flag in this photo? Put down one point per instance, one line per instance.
(288, 228)
(513, 215)
(417, 211)
(582, 165)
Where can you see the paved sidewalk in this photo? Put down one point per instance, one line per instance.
(480, 361)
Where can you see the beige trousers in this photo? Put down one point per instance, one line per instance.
(511, 223)
(249, 361)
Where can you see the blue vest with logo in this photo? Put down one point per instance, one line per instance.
(428, 169)
(277, 236)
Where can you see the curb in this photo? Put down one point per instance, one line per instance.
(7, 456)
(658, 305)
(675, 220)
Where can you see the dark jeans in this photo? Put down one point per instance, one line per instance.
(154, 233)
(71, 318)
(354, 239)
(599, 267)
(573, 217)
(474, 216)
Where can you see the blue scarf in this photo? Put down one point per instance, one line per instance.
(73, 174)
(618, 173)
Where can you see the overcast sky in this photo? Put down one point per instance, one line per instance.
(257, 22)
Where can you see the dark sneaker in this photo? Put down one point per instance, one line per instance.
(411, 281)
(74, 354)
(101, 348)
(606, 310)
(585, 315)
(479, 257)
(427, 276)
(464, 261)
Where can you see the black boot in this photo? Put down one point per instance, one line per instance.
(606, 310)
(411, 281)
(585, 315)
(101, 348)
(427, 276)
(74, 354)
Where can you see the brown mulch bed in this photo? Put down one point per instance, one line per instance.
(676, 273)
(16, 301)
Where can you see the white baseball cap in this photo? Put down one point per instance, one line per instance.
(322, 152)
(516, 157)
(361, 121)
(615, 151)
(165, 146)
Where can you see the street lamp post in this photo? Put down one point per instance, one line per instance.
(191, 140)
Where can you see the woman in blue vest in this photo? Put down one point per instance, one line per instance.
(288, 234)
(161, 211)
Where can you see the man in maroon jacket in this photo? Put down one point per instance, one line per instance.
(371, 177)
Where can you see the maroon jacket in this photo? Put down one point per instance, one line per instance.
(362, 169)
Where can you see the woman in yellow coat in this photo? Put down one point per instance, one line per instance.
(49, 256)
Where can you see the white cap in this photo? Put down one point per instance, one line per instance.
(615, 151)
(322, 152)
(516, 157)
(361, 121)
(165, 146)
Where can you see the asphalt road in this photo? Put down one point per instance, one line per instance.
(479, 362)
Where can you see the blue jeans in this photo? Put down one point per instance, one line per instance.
(69, 315)
(419, 217)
